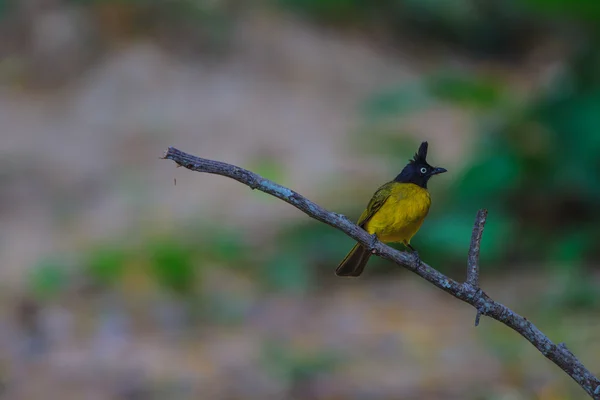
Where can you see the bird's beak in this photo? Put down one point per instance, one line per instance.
(438, 170)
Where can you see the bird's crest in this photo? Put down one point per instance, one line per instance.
(421, 155)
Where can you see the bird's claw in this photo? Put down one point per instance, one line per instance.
(415, 255)
(416, 258)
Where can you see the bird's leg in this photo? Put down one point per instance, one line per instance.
(415, 254)
(374, 240)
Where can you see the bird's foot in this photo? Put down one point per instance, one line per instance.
(374, 240)
(416, 258)
(415, 255)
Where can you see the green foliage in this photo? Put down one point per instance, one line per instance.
(301, 252)
(224, 247)
(105, 265)
(288, 272)
(49, 277)
(464, 90)
(398, 101)
(172, 264)
(6, 6)
(449, 235)
(534, 166)
(330, 10)
(579, 9)
(572, 248)
(446, 85)
(472, 25)
(296, 365)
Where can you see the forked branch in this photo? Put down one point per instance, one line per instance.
(469, 292)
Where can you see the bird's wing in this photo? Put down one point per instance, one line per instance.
(378, 199)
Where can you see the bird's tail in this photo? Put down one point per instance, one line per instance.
(355, 261)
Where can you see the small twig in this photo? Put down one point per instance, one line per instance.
(467, 292)
(473, 259)
(477, 318)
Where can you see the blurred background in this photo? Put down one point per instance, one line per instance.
(123, 277)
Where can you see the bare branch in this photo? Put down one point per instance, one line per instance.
(466, 292)
(473, 260)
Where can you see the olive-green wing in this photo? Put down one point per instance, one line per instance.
(378, 199)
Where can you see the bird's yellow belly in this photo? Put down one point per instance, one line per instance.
(400, 217)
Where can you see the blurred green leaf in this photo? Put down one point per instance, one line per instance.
(288, 273)
(466, 90)
(171, 263)
(454, 87)
(575, 122)
(330, 10)
(458, 11)
(407, 98)
(584, 9)
(225, 246)
(450, 234)
(295, 364)
(310, 249)
(6, 6)
(571, 248)
(48, 278)
(313, 241)
(491, 174)
(106, 265)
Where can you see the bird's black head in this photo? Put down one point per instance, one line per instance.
(418, 171)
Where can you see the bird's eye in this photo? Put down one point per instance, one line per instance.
(423, 170)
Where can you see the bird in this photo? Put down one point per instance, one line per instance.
(395, 212)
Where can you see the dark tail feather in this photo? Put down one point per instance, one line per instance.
(355, 261)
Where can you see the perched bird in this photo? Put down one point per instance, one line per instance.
(396, 211)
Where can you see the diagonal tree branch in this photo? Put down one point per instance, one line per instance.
(468, 292)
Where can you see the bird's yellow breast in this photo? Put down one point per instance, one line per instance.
(402, 214)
